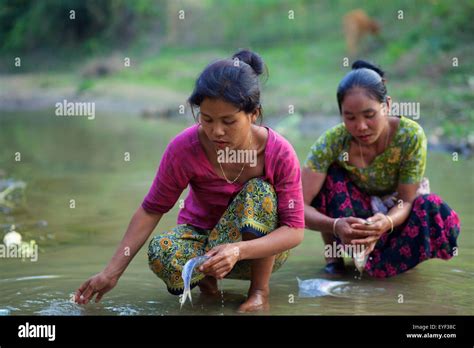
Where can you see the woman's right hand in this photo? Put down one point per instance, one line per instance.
(346, 233)
(99, 284)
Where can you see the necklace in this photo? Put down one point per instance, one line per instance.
(241, 170)
(386, 144)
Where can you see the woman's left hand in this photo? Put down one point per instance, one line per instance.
(380, 225)
(222, 259)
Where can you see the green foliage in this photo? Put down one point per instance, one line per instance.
(85, 85)
(32, 25)
(301, 53)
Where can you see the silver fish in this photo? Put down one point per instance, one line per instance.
(187, 274)
(317, 287)
(360, 259)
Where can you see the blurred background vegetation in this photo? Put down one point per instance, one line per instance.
(83, 57)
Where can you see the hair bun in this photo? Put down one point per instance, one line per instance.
(360, 64)
(252, 59)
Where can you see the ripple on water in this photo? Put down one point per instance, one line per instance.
(355, 290)
(462, 272)
(60, 307)
(47, 298)
(123, 310)
(7, 310)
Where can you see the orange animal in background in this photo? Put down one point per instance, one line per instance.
(358, 24)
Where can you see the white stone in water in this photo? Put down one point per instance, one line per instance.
(12, 238)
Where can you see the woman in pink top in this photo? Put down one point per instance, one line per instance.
(244, 208)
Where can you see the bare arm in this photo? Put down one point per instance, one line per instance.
(312, 184)
(281, 239)
(139, 229)
(315, 220)
(406, 195)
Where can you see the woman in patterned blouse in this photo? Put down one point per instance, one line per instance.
(374, 157)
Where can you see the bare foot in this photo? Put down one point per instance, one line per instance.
(257, 301)
(208, 286)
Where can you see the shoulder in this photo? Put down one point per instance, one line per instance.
(281, 161)
(278, 146)
(410, 128)
(332, 139)
(411, 132)
(335, 134)
(280, 156)
(184, 142)
(326, 148)
(275, 139)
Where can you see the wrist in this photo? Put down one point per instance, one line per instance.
(388, 226)
(240, 250)
(112, 273)
(334, 227)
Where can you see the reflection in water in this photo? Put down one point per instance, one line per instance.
(355, 290)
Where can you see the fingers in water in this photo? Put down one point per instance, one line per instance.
(80, 291)
(87, 295)
(99, 297)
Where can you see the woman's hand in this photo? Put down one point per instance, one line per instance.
(222, 259)
(379, 225)
(98, 284)
(346, 232)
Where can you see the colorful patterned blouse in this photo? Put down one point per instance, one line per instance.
(403, 161)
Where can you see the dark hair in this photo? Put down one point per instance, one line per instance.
(234, 80)
(364, 75)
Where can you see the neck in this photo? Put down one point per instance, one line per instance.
(250, 141)
(382, 141)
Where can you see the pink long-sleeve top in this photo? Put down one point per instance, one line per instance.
(184, 163)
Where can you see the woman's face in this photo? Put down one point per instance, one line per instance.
(365, 118)
(224, 125)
